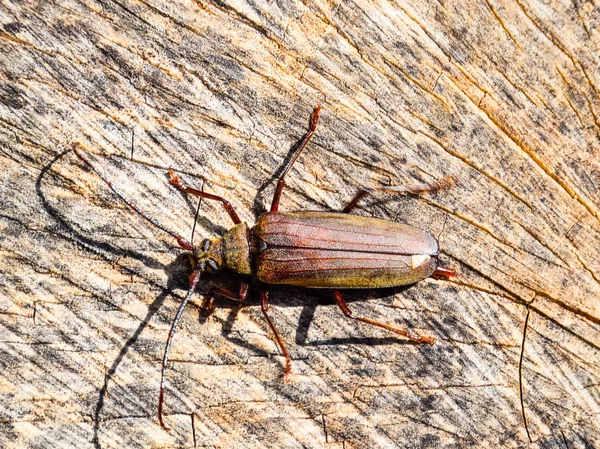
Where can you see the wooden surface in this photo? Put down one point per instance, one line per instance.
(503, 95)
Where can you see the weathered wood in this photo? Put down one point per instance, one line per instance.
(503, 95)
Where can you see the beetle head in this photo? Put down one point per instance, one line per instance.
(207, 256)
(231, 251)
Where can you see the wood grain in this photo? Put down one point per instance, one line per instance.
(503, 95)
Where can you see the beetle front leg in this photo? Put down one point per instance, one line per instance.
(178, 182)
(288, 360)
(346, 310)
(207, 304)
(444, 183)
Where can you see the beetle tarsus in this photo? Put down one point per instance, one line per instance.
(206, 307)
(176, 180)
(287, 375)
(315, 118)
(426, 340)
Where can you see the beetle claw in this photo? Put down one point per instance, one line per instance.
(287, 376)
(176, 180)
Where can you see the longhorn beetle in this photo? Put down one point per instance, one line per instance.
(331, 250)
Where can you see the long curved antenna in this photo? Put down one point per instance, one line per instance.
(180, 240)
(194, 278)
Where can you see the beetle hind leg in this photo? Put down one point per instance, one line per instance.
(346, 310)
(443, 183)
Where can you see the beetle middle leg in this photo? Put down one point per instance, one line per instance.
(207, 307)
(281, 183)
(346, 310)
(288, 360)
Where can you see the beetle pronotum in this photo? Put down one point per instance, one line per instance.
(310, 249)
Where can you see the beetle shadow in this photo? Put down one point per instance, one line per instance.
(299, 297)
(200, 219)
(227, 333)
(177, 279)
(75, 236)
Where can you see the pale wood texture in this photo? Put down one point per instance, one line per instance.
(501, 94)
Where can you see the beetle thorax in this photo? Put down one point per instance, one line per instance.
(235, 249)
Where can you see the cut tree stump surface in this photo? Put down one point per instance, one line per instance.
(502, 95)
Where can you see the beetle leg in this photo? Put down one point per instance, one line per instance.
(346, 310)
(313, 125)
(178, 182)
(288, 360)
(417, 188)
(207, 303)
(229, 294)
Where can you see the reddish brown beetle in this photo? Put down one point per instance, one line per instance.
(330, 250)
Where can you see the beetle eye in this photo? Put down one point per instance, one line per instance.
(205, 245)
(212, 265)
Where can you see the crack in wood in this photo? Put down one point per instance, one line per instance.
(521, 387)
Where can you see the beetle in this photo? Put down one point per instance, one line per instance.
(327, 250)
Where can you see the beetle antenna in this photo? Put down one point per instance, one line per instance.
(443, 272)
(180, 240)
(197, 212)
(194, 279)
(443, 227)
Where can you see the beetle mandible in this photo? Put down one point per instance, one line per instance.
(331, 250)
